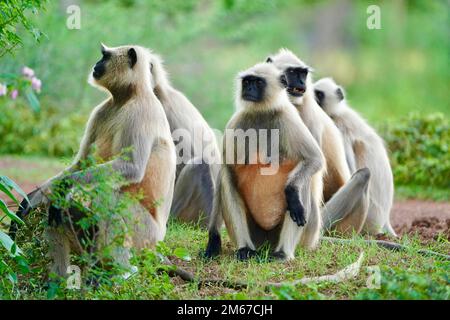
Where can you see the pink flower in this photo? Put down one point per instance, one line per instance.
(3, 89)
(28, 72)
(36, 84)
(14, 94)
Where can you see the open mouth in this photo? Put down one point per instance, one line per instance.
(295, 91)
(250, 97)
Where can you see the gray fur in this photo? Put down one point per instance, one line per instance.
(332, 144)
(130, 118)
(367, 149)
(195, 184)
(306, 175)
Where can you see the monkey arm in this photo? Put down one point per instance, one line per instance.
(298, 186)
(39, 195)
(131, 164)
(350, 157)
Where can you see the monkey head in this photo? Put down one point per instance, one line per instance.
(259, 86)
(121, 67)
(158, 74)
(295, 74)
(328, 95)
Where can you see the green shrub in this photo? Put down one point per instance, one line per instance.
(401, 284)
(419, 150)
(12, 259)
(49, 132)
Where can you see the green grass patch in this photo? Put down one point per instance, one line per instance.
(33, 169)
(404, 275)
(422, 193)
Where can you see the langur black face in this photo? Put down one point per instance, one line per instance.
(253, 88)
(320, 97)
(294, 79)
(115, 58)
(100, 66)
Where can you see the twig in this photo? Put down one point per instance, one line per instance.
(393, 246)
(189, 277)
(345, 274)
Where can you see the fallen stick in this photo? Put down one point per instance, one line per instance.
(345, 274)
(390, 246)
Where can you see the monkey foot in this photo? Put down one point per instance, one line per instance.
(245, 253)
(278, 256)
(214, 246)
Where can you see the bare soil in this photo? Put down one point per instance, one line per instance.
(428, 219)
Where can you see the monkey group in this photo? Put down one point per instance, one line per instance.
(308, 164)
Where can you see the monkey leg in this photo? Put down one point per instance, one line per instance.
(146, 230)
(231, 207)
(387, 228)
(291, 233)
(347, 210)
(377, 221)
(311, 233)
(193, 194)
(214, 245)
(59, 250)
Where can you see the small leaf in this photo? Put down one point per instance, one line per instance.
(8, 243)
(12, 277)
(182, 253)
(33, 100)
(13, 185)
(11, 215)
(7, 191)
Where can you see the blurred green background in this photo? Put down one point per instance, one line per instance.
(387, 73)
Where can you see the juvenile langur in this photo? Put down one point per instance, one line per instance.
(131, 121)
(198, 170)
(280, 207)
(364, 148)
(345, 211)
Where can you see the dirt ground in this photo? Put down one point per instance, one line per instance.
(426, 218)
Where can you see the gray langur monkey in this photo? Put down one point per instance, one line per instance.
(131, 121)
(364, 148)
(346, 199)
(198, 170)
(280, 207)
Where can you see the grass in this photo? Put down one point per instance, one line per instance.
(33, 169)
(404, 275)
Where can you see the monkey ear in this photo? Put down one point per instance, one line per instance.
(340, 94)
(132, 57)
(269, 60)
(103, 47)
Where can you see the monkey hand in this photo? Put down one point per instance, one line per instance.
(294, 206)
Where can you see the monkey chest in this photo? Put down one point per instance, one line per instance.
(263, 194)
